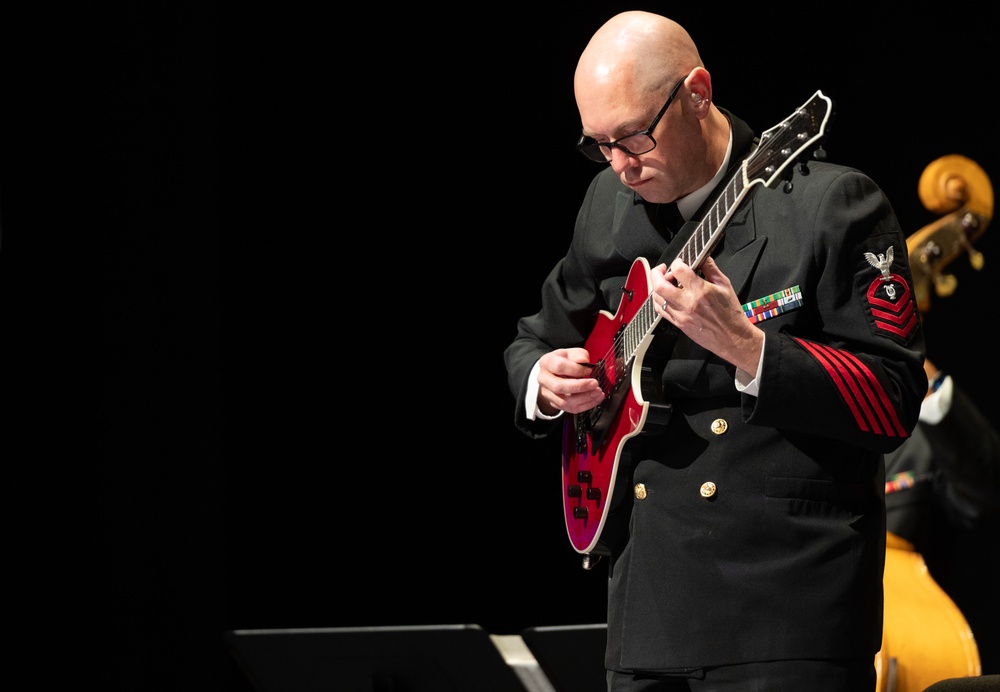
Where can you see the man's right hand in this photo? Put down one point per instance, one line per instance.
(565, 382)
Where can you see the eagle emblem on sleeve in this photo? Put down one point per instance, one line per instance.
(882, 263)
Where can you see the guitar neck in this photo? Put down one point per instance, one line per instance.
(706, 236)
(699, 246)
(778, 148)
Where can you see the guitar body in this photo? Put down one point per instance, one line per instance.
(626, 346)
(593, 440)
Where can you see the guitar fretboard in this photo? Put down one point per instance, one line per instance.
(699, 246)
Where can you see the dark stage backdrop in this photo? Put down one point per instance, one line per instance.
(319, 232)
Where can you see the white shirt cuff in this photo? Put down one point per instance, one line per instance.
(531, 397)
(935, 406)
(747, 384)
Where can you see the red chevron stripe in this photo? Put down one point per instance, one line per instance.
(901, 331)
(895, 317)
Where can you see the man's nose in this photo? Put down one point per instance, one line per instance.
(620, 160)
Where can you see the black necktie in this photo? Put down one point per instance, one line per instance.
(668, 220)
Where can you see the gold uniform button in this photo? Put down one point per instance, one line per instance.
(719, 426)
(640, 491)
(708, 489)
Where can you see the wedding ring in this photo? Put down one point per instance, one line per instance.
(664, 306)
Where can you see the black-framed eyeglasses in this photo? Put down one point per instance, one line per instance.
(634, 144)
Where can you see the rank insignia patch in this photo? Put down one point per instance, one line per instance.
(889, 298)
(774, 304)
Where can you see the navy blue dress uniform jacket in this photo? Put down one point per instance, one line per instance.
(784, 560)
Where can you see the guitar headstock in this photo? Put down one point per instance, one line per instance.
(794, 139)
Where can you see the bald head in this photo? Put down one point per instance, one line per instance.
(639, 51)
(624, 75)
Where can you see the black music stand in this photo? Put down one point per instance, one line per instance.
(572, 656)
(437, 658)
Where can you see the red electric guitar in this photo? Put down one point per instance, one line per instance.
(593, 440)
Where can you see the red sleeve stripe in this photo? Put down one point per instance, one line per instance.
(846, 386)
(860, 389)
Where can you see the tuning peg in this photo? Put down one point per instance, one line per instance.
(787, 176)
(819, 154)
(804, 167)
(970, 222)
(945, 284)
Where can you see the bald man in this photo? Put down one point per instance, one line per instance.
(727, 361)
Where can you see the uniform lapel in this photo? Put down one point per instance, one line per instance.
(634, 234)
(740, 248)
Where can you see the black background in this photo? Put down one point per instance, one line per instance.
(317, 231)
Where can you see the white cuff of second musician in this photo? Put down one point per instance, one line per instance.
(936, 405)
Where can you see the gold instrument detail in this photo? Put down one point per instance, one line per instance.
(925, 637)
(958, 188)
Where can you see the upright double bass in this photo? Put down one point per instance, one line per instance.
(926, 638)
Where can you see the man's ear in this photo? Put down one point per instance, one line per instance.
(699, 84)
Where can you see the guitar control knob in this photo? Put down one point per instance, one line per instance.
(579, 512)
(584, 477)
(594, 494)
(574, 491)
